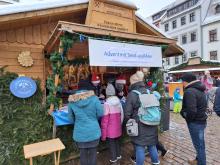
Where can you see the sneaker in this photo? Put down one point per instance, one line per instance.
(119, 157)
(156, 163)
(133, 159)
(193, 162)
(113, 161)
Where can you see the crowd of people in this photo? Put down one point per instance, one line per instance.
(94, 121)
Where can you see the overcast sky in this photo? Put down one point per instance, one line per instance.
(146, 7)
(149, 7)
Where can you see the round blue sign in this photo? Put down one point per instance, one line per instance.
(23, 87)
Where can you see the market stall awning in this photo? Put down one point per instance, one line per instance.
(195, 70)
(172, 50)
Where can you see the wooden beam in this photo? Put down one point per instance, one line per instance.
(53, 38)
(67, 26)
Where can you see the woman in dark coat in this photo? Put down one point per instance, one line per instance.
(147, 135)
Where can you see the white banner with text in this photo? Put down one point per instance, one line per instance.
(106, 53)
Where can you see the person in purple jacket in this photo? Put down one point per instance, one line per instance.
(111, 124)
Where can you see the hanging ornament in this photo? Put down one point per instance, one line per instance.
(25, 59)
(81, 38)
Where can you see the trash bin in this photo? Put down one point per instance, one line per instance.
(165, 115)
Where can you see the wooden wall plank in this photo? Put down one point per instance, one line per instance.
(11, 37)
(36, 34)
(44, 34)
(2, 35)
(20, 35)
(14, 62)
(28, 35)
(19, 69)
(13, 55)
(18, 47)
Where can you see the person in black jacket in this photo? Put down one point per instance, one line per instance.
(217, 102)
(194, 112)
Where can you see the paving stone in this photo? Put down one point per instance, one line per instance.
(177, 140)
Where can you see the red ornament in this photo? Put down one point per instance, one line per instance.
(149, 83)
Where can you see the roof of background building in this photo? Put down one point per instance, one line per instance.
(9, 1)
(174, 4)
(211, 15)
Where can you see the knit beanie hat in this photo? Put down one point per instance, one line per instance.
(95, 79)
(137, 77)
(188, 77)
(85, 85)
(121, 80)
(110, 90)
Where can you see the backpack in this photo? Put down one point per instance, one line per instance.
(149, 111)
(132, 127)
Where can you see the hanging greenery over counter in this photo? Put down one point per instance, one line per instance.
(22, 121)
(58, 60)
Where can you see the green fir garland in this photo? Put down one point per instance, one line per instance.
(22, 122)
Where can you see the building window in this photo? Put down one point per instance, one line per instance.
(167, 61)
(174, 24)
(193, 54)
(179, 8)
(166, 27)
(192, 17)
(176, 60)
(213, 35)
(217, 9)
(183, 20)
(193, 36)
(213, 55)
(184, 57)
(184, 39)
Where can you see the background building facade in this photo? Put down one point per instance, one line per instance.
(195, 24)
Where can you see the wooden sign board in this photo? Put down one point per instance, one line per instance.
(194, 61)
(104, 15)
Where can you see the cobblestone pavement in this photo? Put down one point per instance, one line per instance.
(178, 142)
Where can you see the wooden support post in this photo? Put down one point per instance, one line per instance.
(58, 159)
(55, 158)
(31, 161)
(54, 130)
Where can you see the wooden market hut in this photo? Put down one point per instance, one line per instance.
(198, 66)
(29, 31)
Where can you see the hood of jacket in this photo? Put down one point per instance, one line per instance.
(81, 98)
(137, 86)
(197, 85)
(113, 100)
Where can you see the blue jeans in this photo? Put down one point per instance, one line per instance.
(197, 132)
(140, 154)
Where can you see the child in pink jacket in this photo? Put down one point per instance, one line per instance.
(111, 124)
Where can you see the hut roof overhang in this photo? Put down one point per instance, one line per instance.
(85, 29)
(23, 13)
